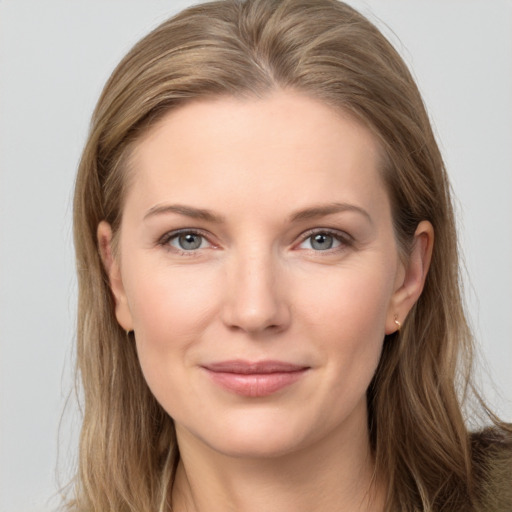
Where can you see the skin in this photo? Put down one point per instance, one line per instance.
(259, 287)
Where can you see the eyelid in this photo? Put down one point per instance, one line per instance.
(170, 235)
(342, 236)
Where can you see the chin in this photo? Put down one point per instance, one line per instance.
(249, 435)
(241, 445)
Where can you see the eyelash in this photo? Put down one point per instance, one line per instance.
(344, 239)
(165, 240)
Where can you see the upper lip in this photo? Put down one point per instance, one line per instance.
(257, 367)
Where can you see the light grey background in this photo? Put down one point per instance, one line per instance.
(55, 57)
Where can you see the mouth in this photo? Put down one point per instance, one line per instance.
(254, 379)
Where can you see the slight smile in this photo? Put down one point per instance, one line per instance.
(255, 379)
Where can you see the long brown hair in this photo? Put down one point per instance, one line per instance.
(325, 49)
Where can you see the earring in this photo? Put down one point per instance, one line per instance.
(128, 333)
(398, 324)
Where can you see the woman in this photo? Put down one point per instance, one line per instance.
(269, 310)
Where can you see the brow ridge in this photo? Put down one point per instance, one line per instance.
(323, 210)
(309, 213)
(187, 211)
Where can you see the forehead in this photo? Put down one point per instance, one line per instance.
(285, 144)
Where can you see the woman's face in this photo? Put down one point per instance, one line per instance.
(258, 268)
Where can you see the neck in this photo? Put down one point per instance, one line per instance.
(314, 478)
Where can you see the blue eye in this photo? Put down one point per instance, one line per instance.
(321, 241)
(187, 241)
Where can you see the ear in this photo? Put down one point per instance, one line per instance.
(412, 279)
(112, 268)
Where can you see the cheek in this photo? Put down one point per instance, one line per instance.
(346, 315)
(171, 304)
(349, 302)
(171, 309)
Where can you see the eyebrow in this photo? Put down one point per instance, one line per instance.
(313, 212)
(328, 209)
(187, 211)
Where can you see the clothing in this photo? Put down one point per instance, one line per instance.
(492, 464)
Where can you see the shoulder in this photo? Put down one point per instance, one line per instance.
(492, 466)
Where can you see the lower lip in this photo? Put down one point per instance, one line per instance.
(255, 384)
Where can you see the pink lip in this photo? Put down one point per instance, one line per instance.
(254, 379)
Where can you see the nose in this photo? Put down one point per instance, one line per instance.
(255, 296)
